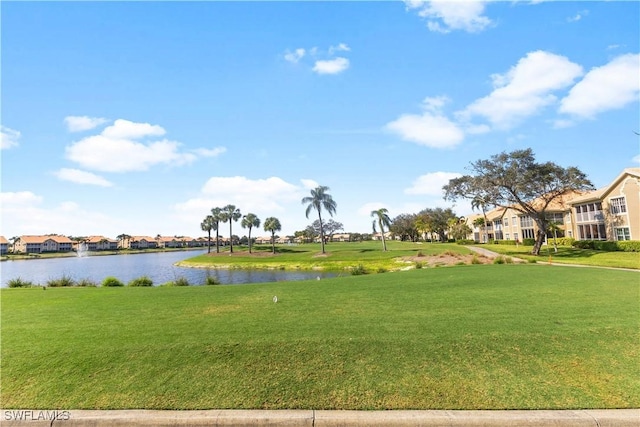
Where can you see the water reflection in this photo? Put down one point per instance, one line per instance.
(159, 266)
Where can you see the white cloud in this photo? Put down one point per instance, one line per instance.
(213, 152)
(82, 123)
(331, 66)
(609, 87)
(19, 199)
(8, 138)
(265, 197)
(342, 47)
(445, 15)
(309, 184)
(525, 89)
(636, 159)
(431, 184)
(82, 177)
(431, 128)
(295, 56)
(24, 213)
(127, 129)
(578, 16)
(118, 149)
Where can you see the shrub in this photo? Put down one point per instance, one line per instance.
(111, 282)
(420, 254)
(606, 246)
(141, 281)
(418, 265)
(64, 281)
(583, 244)
(475, 259)
(210, 281)
(381, 270)
(505, 242)
(565, 241)
(465, 242)
(359, 270)
(629, 245)
(528, 242)
(181, 281)
(19, 283)
(86, 283)
(499, 260)
(508, 260)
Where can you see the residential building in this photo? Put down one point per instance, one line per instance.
(100, 243)
(4, 245)
(610, 213)
(35, 244)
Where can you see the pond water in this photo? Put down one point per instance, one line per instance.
(159, 266)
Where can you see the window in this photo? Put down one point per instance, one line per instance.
(622, 233)
(592, 232)
(506, 236)
(556, 217)
(526, 221)
(506, 222)
(617, 206)
(513, 221)
(528, 233)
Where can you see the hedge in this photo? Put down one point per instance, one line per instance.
(608, 246)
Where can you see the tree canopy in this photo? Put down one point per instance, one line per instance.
(515, 180)
(319, 199)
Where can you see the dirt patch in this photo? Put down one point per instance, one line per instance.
(322, 255)
(448, 259)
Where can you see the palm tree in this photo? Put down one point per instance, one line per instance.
(249, 221)
(480, 202)
(382, 218)
(122, 237)
(207, 225)
(320, 199)
(272, 224)
(554, 227)
(230, 213)
(216, 214)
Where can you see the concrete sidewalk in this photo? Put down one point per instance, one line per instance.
(311, 418)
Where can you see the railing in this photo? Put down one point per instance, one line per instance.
(595, 216)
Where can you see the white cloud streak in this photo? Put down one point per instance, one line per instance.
(83, 123)
(445, 16)
(609, 87)
(525, 89)
(118, 148)
(295, 56)
(8, 138)
(431, 128)
(431, 184)
(331, 66)
(82, 177)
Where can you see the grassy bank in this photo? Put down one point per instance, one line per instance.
(473, 337)
(338, 257)
(568, 255)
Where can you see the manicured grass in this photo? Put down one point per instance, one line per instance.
(339, 256)
(567, 255)
(469, 337)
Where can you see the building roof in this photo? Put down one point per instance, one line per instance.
(3, 240)
(98, 239)
(601, 193)
(41, 239)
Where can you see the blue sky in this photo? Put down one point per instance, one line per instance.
(138, 118)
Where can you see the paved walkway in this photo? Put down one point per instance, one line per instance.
(311, 418)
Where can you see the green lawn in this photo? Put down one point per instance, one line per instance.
(468, 337)
(567, 255)
(339, 256)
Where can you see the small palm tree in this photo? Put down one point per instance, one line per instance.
(382, 218)
(216, 214)
(480, 202)
(230, 213)
(207, 225)
(249, 221)
(272, 224)
(320, 199)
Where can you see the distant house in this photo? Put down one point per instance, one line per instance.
(4, 245)
(263, 240)
(100, 243)
(344, 237)
(142, 242)
(35, 244)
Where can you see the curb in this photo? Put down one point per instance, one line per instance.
(325, 418)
